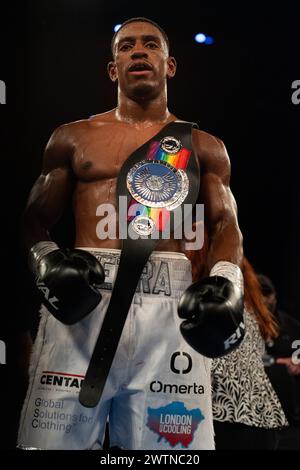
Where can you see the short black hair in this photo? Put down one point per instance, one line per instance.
(140, 19)
(266, 285)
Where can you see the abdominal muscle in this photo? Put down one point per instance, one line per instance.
(88, 237)
(95, 228)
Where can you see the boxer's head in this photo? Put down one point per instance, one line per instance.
(139, 20)
(141, 62)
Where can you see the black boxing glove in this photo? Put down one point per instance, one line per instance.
(68, 280)
(213, 309)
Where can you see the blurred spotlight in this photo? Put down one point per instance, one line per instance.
(117, 27)
(200, 37)
(203, 39)
(209, 40)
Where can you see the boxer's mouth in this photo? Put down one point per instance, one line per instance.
(140, 68)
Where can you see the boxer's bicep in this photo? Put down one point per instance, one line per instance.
(219, 203)
(49, 196)
(215, 192)
(52, 190)
(220, 206)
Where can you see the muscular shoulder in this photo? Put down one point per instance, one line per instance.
(64, 134)
(60, 146)
(212, 154)
(64, 140)
(67, 133)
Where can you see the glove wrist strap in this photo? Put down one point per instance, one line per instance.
(38, 251)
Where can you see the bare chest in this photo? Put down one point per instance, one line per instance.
(100, 153)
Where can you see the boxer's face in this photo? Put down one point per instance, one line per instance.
(141, 61)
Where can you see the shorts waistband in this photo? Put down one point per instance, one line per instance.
(165, 274)
(154, 254)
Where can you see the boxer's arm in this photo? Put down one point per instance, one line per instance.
(52, 191)
(213, 307)
(68, 280)
(226, 241)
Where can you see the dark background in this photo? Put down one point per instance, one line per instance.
(53, 59)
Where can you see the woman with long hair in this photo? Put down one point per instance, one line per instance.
(247, 412)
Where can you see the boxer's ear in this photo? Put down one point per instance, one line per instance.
(171, 67)
(112, 71)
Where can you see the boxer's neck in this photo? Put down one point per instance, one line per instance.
(143, 112)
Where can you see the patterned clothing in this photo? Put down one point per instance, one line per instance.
(242, 392)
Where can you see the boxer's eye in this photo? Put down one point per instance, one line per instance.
(152, 45)
(125, 47)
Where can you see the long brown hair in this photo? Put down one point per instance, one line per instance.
(252, 291)
(255, 303)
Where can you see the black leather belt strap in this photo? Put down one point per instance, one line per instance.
(134, 256)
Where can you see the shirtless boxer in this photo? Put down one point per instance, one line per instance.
(157, 395)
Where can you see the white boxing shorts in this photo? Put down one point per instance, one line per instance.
(158, 392)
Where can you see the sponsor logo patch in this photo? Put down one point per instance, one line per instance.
(61, 380)
(174, 423)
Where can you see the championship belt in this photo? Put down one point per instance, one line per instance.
(157, 178)
(157, 185)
